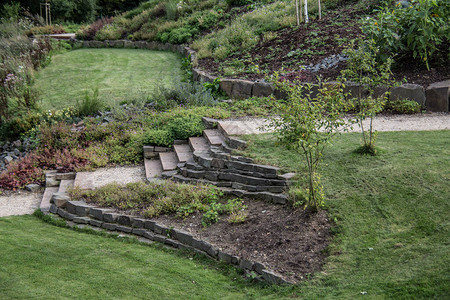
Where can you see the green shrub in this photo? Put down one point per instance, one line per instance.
(50, 29)
(403, 106)
(158, 137)
(109, 32)
(417, 30)
(183, 127)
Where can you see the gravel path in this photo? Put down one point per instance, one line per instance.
(434, 121)
(21, 203)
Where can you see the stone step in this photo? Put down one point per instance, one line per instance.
(169, 160)
(184, 152)
(48, 193)
(214, 137)
(65, 185)
(153, 168)
(277, 198)
(199, 144)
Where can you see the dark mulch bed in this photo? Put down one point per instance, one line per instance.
(289, 242)
(335, 30)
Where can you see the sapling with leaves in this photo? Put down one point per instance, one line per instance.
(307, 123)
(374, 79)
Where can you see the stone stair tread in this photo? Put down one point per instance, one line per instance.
(65, 185)
(169, 160)
(184, 152)
(153, 168)
(214, 137)
(48, 193)
(198, 144)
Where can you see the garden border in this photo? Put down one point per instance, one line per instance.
(107, 219)
(435, 98)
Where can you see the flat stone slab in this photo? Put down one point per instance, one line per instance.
(65, 184)
(104, 176)
(153, 168)
(184, 152)
(245, 126)
(19, 204)
(48, 193)
(169, 160)
(214, 136)
(198, 144)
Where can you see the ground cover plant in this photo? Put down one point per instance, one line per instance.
(118, 74)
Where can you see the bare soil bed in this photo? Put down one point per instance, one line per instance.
(309, 44)
(290, 242)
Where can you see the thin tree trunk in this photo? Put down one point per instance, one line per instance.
(296, 10)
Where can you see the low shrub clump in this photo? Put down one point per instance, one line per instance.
(49, 29)
(155, 199)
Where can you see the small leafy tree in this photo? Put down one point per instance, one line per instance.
(368, 73)
(307, 123)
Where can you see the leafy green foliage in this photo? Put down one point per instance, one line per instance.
(416, 30)
(159, 137)
(307, 124)
(403, 106)
(364, 69)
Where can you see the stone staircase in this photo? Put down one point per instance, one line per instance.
(209, 160)
(56, 184)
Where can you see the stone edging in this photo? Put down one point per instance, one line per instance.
(81, 213)
(436, 98)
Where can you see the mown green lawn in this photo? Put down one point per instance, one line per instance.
(119, 75)
(392, 213)
(391, 239)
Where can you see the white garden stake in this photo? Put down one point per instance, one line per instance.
(320, 11)
(306, 12)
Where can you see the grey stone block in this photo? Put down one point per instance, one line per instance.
(160, 229)
(97, 213)
(125, 229)
(236, 143)
(262, 89)
(110, 217)
(408, 91)
(53, 209)
(81, 220)
(225, 257)
(258, 267)
(212, 176)
(205, 247)
(50, 181)
(60, 199)
(33, 187)
(65, 176)
(71, 206)
(438, 96)
(95, 223)
(149, 235)
(159, 238)
(171, 243)
(125, 220)
(109, 226)
(183, 237)
(209, 123)
(82, 210)
(138, 223)
(272, 278)
(246, 264)
(266, 169)
(139, 231)
(194, 174)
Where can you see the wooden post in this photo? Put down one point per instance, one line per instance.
(320, 11)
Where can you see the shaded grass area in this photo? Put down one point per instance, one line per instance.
(42, 261)
(392, 214)
(119, 75)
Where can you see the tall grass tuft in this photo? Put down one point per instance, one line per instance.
(89, 105)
